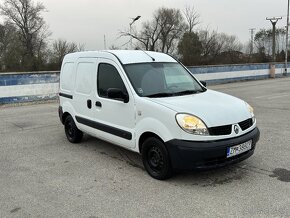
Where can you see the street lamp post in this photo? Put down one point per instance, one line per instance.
(286, 52)
(133, 21)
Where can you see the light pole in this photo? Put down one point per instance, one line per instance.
(133, 21)
(286, 52)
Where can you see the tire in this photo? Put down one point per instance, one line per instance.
(156, 159)
(73, 134)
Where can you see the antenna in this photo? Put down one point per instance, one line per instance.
(153, 59)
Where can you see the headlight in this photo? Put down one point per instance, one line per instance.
(191, 124)
(251, 110)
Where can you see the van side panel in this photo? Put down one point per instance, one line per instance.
(67, 77)
(67, 82)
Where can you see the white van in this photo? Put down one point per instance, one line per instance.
(150, 103)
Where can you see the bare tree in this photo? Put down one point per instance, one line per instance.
(263, 41)
(10, 48)
(32, 30)
(172, 27)
(191, 17)
(150, 34)
(263, 44)
(219, 47)
(209, 42)
(229, 43)
(5, 33)
(162, 32)
(61, 47)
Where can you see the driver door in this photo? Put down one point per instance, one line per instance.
(116, 118)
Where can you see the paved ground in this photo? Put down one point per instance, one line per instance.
(43, 175)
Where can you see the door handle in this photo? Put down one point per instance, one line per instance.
(89, 104)
(98, 104)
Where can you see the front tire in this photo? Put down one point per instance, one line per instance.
(156, 159)
(73, 134)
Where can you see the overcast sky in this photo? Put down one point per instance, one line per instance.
(87, 21)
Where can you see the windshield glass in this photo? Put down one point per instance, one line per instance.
(161, 79)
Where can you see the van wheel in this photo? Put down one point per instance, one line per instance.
(156, 159)
(73, 134)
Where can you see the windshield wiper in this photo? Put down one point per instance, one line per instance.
(186, 92)
(157, 95)
(166, 94)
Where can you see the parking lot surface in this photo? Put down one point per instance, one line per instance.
(43, 175)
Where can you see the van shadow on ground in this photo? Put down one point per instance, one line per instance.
(204, 178)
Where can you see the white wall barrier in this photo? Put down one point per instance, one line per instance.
(232, 73)
(28, 86)
(35, 86)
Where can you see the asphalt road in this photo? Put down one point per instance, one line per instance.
(43, 175)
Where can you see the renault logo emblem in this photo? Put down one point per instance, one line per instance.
(236, 129)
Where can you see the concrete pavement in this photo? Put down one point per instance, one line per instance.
(43, 175)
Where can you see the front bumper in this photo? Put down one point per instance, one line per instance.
(186, 155)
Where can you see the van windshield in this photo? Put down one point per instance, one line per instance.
(161, 80)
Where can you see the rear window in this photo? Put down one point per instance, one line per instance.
(84, 77)
(66, 77)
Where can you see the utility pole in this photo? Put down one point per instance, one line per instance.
(274, 21)
(252, 41)
(287, 32)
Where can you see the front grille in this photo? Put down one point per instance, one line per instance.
(227, 130)
(246, 124)
(220, 130)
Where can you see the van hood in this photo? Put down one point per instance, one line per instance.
(214, 108)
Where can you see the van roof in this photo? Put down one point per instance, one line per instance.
(125, 56)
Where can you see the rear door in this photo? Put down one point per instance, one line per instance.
(84, 89)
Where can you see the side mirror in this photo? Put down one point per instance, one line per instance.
(118, 94)
(203, 83)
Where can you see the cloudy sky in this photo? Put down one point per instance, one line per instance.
(87, 21)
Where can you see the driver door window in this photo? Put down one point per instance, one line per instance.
(108, 77)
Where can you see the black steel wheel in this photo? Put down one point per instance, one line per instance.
(156, 159)
(73, 134)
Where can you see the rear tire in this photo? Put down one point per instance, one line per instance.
(73, 134)
(156, 159)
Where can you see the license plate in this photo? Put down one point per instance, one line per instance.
(238, 149)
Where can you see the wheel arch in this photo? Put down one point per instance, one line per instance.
(145, 136)
(152, 127)
(64, 116)
(67, 110)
